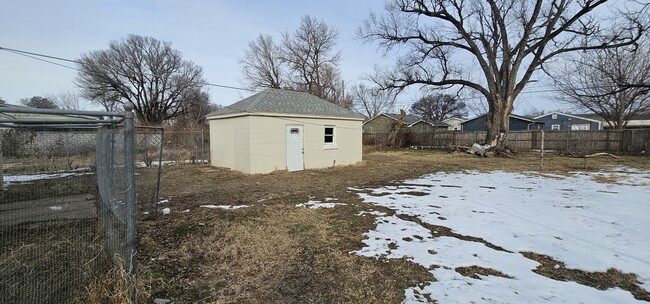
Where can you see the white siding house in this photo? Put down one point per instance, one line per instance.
(284, 130)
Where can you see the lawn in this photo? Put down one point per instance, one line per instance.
(402, 225)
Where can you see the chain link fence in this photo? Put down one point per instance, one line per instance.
(48, 225)
(66, 224)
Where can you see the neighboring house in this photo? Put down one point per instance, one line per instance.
(454, 123)
(641, 121)
(517, 123)
(556, 121)
(284, 130)
(383, 123)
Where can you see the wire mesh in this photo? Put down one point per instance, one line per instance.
(48, 215)
(63, 215)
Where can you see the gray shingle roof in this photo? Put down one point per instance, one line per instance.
(408, 119)
(286, 102)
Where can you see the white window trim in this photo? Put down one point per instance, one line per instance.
(555, 127)
(553, 116)
(332, 145)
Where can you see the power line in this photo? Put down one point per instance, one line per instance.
(40, 59)
(35, 56)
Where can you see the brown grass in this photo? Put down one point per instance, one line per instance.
(475, 272)
(611, 278)
(276, 252)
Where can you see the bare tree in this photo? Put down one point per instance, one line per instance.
(67, 100)
(197, 105)
(39, 102)
(613, 83)
(303, 61)
(262, 64)
(438, 107)
(493, 47)
(371, 101)
(144, 71)
(308, 52)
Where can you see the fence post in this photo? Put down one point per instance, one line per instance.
(2, 171)
(160, 165)
(516, 141)
(202, 148)
(541, 158)
(129, 178)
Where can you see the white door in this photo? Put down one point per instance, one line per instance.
(295, 148)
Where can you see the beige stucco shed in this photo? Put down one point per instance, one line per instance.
(284, 130)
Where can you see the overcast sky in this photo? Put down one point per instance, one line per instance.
(213, 34)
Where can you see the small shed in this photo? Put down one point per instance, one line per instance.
(517, 123)
(556, 121)
(284, 130)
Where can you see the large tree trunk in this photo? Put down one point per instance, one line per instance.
(498, 123)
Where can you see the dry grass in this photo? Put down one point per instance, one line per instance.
(46, 263)
(611, 278)
(275, 252)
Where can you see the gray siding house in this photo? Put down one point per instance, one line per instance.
(556, 121)
(517, 123)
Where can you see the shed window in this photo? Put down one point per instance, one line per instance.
(555, 127)
(329, 138)
(554, 116)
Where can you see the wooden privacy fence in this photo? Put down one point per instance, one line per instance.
(635, 141)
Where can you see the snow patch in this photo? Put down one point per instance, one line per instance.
(27, 178)
(585, 224)
(224, 206)
(313, 204)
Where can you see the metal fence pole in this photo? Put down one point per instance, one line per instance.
(160, 165)
(2, 171)
(129, 172)
(202, 148)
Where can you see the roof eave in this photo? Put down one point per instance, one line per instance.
(271, 114)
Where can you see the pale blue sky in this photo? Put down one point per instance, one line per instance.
(213, 34)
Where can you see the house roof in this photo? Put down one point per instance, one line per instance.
(569, 115)
(285, 102)
(593, 116)
(453, 118)
(511, 116)
(408, 119)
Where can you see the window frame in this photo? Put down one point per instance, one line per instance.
(332, 144)
(555, 127)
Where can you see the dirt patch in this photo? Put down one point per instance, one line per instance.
(611, 278)
(476, 271)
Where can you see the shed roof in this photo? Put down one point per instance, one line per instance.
(285, 102)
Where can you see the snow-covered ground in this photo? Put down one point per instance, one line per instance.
(576, 220)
